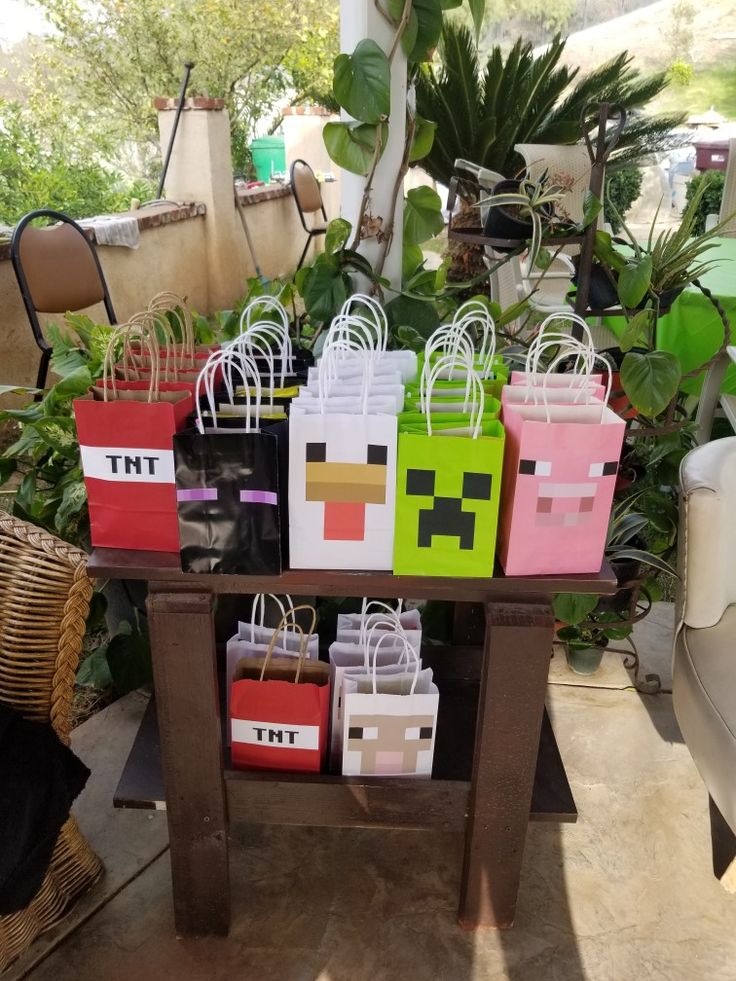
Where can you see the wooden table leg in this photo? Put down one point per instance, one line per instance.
(185, 677)
(518, 645)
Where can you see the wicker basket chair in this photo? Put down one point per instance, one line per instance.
(44, 601)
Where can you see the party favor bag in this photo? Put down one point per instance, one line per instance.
(125, 432)
(278, 713)
(342, 473)
(447, 498)
(253, 639)
(389, 722)
(227, 486)
(560, 471)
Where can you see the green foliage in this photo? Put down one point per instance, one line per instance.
(572, 608)
(483, 110)
(104, 62)
(362, 82)
(651, 380)
(353, 145)
(51, 492)
(709, 202)
(623, 186)
(42, 170)
(422, 215)
(681, 73)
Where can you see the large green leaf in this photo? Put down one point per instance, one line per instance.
(634, 280)
(650, 380)
(422, 215)
(428, 15)
(59, 434)
(362, 82)
(325, 288)
(17, 390)
(477, 10)
(129, 660)
(408, 312)
(337, 234)
(423, 139)
(411, 259)
(572, 608)
(352, 145)
(72, 502)
(635, 330)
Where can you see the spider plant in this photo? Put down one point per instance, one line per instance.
(535, 201)
(665, 265)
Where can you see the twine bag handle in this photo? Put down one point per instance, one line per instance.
(330, 354)
(271, 331)
(147, 342)
(257, 345)
(168, 302)
(588, 400)
(407, 649)
(432, 371)
(262, 598)
(228, 360)
(475, 383)
(268, 303)
(303, 643)
(580, 380)
(376, 316)
(474, 312)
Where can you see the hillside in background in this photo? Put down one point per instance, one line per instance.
(647, 33)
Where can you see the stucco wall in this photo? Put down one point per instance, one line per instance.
(205, 257)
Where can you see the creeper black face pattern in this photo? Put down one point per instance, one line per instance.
(447, 517)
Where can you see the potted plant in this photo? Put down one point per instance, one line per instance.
(586, 642)
(651, 276)
(521, 210)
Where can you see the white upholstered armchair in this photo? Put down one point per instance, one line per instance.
(704, 679)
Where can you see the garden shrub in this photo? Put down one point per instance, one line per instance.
(623, 187)
(710, 203)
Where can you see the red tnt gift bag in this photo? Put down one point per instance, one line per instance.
(125, 432)
(278, 710)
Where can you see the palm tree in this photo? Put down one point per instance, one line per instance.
(526, 98)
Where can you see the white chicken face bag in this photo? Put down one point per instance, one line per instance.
(342, 489)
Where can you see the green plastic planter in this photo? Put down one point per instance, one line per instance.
(269, 156)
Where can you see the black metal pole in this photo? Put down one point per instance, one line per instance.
(188, 65)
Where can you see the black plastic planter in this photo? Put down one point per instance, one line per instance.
(501, 223)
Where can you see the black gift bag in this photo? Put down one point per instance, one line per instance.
(228, 502)
(227, 488)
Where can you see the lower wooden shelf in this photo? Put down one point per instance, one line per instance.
(326, 800)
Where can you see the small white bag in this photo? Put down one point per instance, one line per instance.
(389, 721)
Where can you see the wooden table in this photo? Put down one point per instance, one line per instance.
(496, 762)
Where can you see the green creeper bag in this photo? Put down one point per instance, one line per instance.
(447, 498)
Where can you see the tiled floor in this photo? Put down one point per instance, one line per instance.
(626, 893)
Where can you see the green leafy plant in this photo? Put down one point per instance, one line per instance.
(483, 108)
(45, 456)
(535, 201)
(647, 278)
(596, 631)
(709, 200)
(623, 186)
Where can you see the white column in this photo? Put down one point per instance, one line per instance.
(359, 19)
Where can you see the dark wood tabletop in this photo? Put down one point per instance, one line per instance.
(113, 563)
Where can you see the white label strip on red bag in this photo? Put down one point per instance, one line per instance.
(285, 735)
(121, 463)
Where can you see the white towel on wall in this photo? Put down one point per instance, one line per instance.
(114, 230)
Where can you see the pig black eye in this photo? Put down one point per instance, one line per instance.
(537, 468)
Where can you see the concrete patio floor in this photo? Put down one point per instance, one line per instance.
(626, 893)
